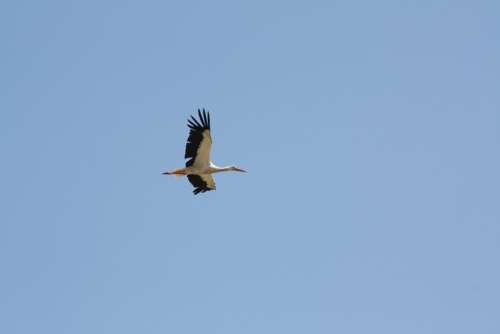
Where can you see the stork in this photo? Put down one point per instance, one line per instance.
(199, 168)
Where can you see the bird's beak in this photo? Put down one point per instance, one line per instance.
(240, 170)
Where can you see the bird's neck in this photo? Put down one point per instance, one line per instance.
(217, 169)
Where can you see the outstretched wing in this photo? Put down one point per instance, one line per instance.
(201, 183)
(199, 142)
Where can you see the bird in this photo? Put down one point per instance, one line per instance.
(199, 168)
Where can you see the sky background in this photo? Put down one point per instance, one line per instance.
(370, 130)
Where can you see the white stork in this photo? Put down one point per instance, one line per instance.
(199, 168)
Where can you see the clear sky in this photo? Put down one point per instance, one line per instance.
(370, 130)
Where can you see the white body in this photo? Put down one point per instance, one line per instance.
(199, 168)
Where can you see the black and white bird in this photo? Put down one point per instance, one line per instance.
(199, 168)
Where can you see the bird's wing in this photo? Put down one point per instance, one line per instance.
(201, 182)
(199, 142)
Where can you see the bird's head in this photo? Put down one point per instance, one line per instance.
(237, 169)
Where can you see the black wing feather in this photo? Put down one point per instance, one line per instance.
(199, 185)
(191, 124)
(195, 137)
(195, 122)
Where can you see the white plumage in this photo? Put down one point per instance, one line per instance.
(199, 167)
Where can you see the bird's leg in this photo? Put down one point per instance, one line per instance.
(177, 172)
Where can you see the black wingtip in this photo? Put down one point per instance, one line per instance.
(203, 121)
(191, 125)
(200, 116)
(205, 118)
(195, 121)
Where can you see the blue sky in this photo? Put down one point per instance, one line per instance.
(370, 130)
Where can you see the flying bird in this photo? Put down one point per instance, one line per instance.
(199, 168)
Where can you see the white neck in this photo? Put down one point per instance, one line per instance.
(217, 169)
